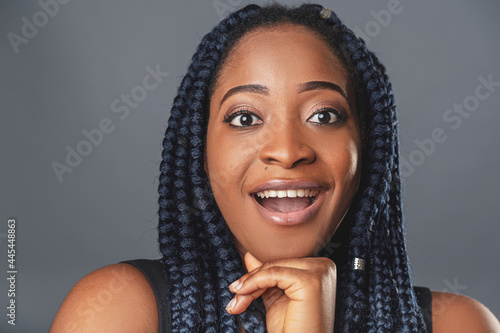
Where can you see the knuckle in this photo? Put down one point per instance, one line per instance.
(267, 265)
(328, 264)
(324, 268)
(275, 271)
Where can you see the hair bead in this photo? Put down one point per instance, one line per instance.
(325, 13)
(358, 264)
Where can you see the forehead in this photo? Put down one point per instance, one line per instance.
(286, 52)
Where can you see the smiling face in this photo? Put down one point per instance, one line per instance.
(283, 142)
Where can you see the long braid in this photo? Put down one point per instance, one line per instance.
(229, 268)
(198, 254)
(382, 153)
(380, 285)
(405, 294)
(367, 208)
(184, 206)
(385, 176)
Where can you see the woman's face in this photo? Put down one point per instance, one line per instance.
(283, 143)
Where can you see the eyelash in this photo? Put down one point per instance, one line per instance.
(231, 117)
(339, 115)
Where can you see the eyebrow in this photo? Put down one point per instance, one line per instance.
(252, 88)
(315, 85)
(261, 89)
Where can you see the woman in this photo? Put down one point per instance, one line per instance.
(280, 203)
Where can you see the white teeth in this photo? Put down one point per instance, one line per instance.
(288, 193)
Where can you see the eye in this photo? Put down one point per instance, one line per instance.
(326, 116)
(243, 119)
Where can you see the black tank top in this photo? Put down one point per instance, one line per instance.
(153, 270)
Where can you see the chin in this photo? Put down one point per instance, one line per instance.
(270, 250)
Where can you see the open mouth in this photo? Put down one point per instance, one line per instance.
(286, 201)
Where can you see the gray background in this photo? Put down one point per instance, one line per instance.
(64, 79)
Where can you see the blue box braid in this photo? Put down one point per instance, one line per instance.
(198, 254)
(377, 227)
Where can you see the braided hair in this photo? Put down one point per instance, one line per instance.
(199, 257)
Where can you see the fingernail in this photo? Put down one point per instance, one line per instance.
(234, 284)
(238, 286)
(231, 304)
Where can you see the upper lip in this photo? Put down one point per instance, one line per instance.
(286, 184)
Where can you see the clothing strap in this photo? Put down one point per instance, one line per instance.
(424, 300)
(153, 270)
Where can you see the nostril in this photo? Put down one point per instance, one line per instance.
(287, 152)
(303, 161)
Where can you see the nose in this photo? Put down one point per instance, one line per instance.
(287, 147)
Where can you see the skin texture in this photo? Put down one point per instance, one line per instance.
(115, 298)
(284, 143)
(299, 294)
(133, 306)
(298, 289)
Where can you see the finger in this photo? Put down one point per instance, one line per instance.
(254, 266)
(313, 263)
(307, 263)
(285, 278)
(251, 262)
(240, 303)
(271, 295)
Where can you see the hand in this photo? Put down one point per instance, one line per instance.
(299, 294)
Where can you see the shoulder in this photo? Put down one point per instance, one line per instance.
(115, 298)
(458, 313)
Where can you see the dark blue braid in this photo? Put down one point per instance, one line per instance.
(198, 254)
(377, 233)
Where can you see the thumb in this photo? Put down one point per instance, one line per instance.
(251, 262)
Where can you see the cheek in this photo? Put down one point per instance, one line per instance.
(354, 163)
(228, 160)
(344, 159)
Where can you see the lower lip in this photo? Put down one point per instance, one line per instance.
(291, 218)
